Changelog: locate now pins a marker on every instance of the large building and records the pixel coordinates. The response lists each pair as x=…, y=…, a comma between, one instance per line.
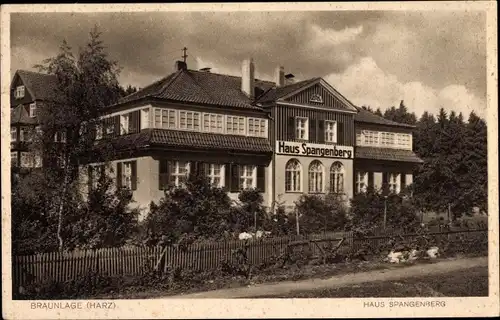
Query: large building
x=281, y=137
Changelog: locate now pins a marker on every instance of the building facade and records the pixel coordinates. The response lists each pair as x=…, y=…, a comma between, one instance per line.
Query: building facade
x=384, y=157
x=280, y=137
x=30, y=91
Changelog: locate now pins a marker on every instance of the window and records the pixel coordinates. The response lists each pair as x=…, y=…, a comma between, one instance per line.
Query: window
x=189, y=120
x=394, y=183
x=124, y=123
x=98, y=134
x=110, y=128
x=127, y=175
x=371, y=138
x=215, y=173
x=23, y=134
x=13, y=134
x=330, y=131
x=235, y=125
x=361, y=181
x=359, y=139
x=337, y=178
x=19, y=93
x=179, y=171
x=387, y=139
x=60, y=136
x=97, y=175
x=301, y=131
x=32, y=110
x=144, y=119
x=247, y=176
x=256, y=127
x=165, y=118
x=213, y=123
x=13, y=159
x=404, y=141
x=316, y=173
x=293, y=176
x=30, y=160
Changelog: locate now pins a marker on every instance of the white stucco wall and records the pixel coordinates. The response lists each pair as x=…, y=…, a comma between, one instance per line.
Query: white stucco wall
x=290, y=197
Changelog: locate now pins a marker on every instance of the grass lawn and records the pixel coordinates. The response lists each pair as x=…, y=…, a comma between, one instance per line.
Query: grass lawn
x=467, y=283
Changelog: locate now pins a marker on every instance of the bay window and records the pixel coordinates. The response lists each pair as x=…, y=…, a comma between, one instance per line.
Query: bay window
x=235, y=125
x=213, y=123
x=164, y=118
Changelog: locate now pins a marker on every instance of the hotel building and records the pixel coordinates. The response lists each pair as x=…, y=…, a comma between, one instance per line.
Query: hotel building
x=281, y=137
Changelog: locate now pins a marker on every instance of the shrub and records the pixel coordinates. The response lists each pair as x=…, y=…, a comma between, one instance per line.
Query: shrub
x=320, y=213
x=199, y=209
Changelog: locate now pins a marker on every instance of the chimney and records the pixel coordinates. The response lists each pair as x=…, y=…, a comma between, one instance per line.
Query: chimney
x=248, y=77
x=180, y=65
x=279, y=76
x=289, y=79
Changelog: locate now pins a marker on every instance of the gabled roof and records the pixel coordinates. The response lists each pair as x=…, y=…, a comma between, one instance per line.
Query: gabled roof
x=279, y=92
x=200, y=87
x=366, y=116
x=386, y=154
x=19, y=115
x=288, y=91
x=41, y=86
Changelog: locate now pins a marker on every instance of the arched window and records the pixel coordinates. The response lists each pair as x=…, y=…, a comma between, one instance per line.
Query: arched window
x=337, y=178
x=316, y=173
x=293, y=176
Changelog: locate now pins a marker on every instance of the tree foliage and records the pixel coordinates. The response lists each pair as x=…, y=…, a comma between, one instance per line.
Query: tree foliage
x=84, y=85
x=454, y=173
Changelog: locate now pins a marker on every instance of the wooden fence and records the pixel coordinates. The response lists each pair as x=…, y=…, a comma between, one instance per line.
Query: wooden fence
x=134, y=261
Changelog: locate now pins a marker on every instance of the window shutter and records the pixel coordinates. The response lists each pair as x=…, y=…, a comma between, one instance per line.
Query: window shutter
x=119, y=175
x=90, y=178
x=385, y=183
x=321, y=131
x=163, y=174
x=403, y=180
x=134, y=121
x=291, y=128
x=116, y=124
x=340, y=133
x=202, y=169
x=133, y=167
x=370, y=180
x=261, y=178
x=235, y=178
x=312, y=130
x=227, y=176
x=131, y=122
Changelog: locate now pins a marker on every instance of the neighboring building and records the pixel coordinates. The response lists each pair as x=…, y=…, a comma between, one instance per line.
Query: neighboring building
x=29, y=92
x=384, y=157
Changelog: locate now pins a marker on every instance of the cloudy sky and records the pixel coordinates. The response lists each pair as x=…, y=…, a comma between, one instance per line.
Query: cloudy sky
x=428, y=59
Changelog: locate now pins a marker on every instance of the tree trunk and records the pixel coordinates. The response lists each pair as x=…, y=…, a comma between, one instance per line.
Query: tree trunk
x=60, y=210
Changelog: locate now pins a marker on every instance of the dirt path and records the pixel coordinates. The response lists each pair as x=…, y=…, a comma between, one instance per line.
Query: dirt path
x=340, y=281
